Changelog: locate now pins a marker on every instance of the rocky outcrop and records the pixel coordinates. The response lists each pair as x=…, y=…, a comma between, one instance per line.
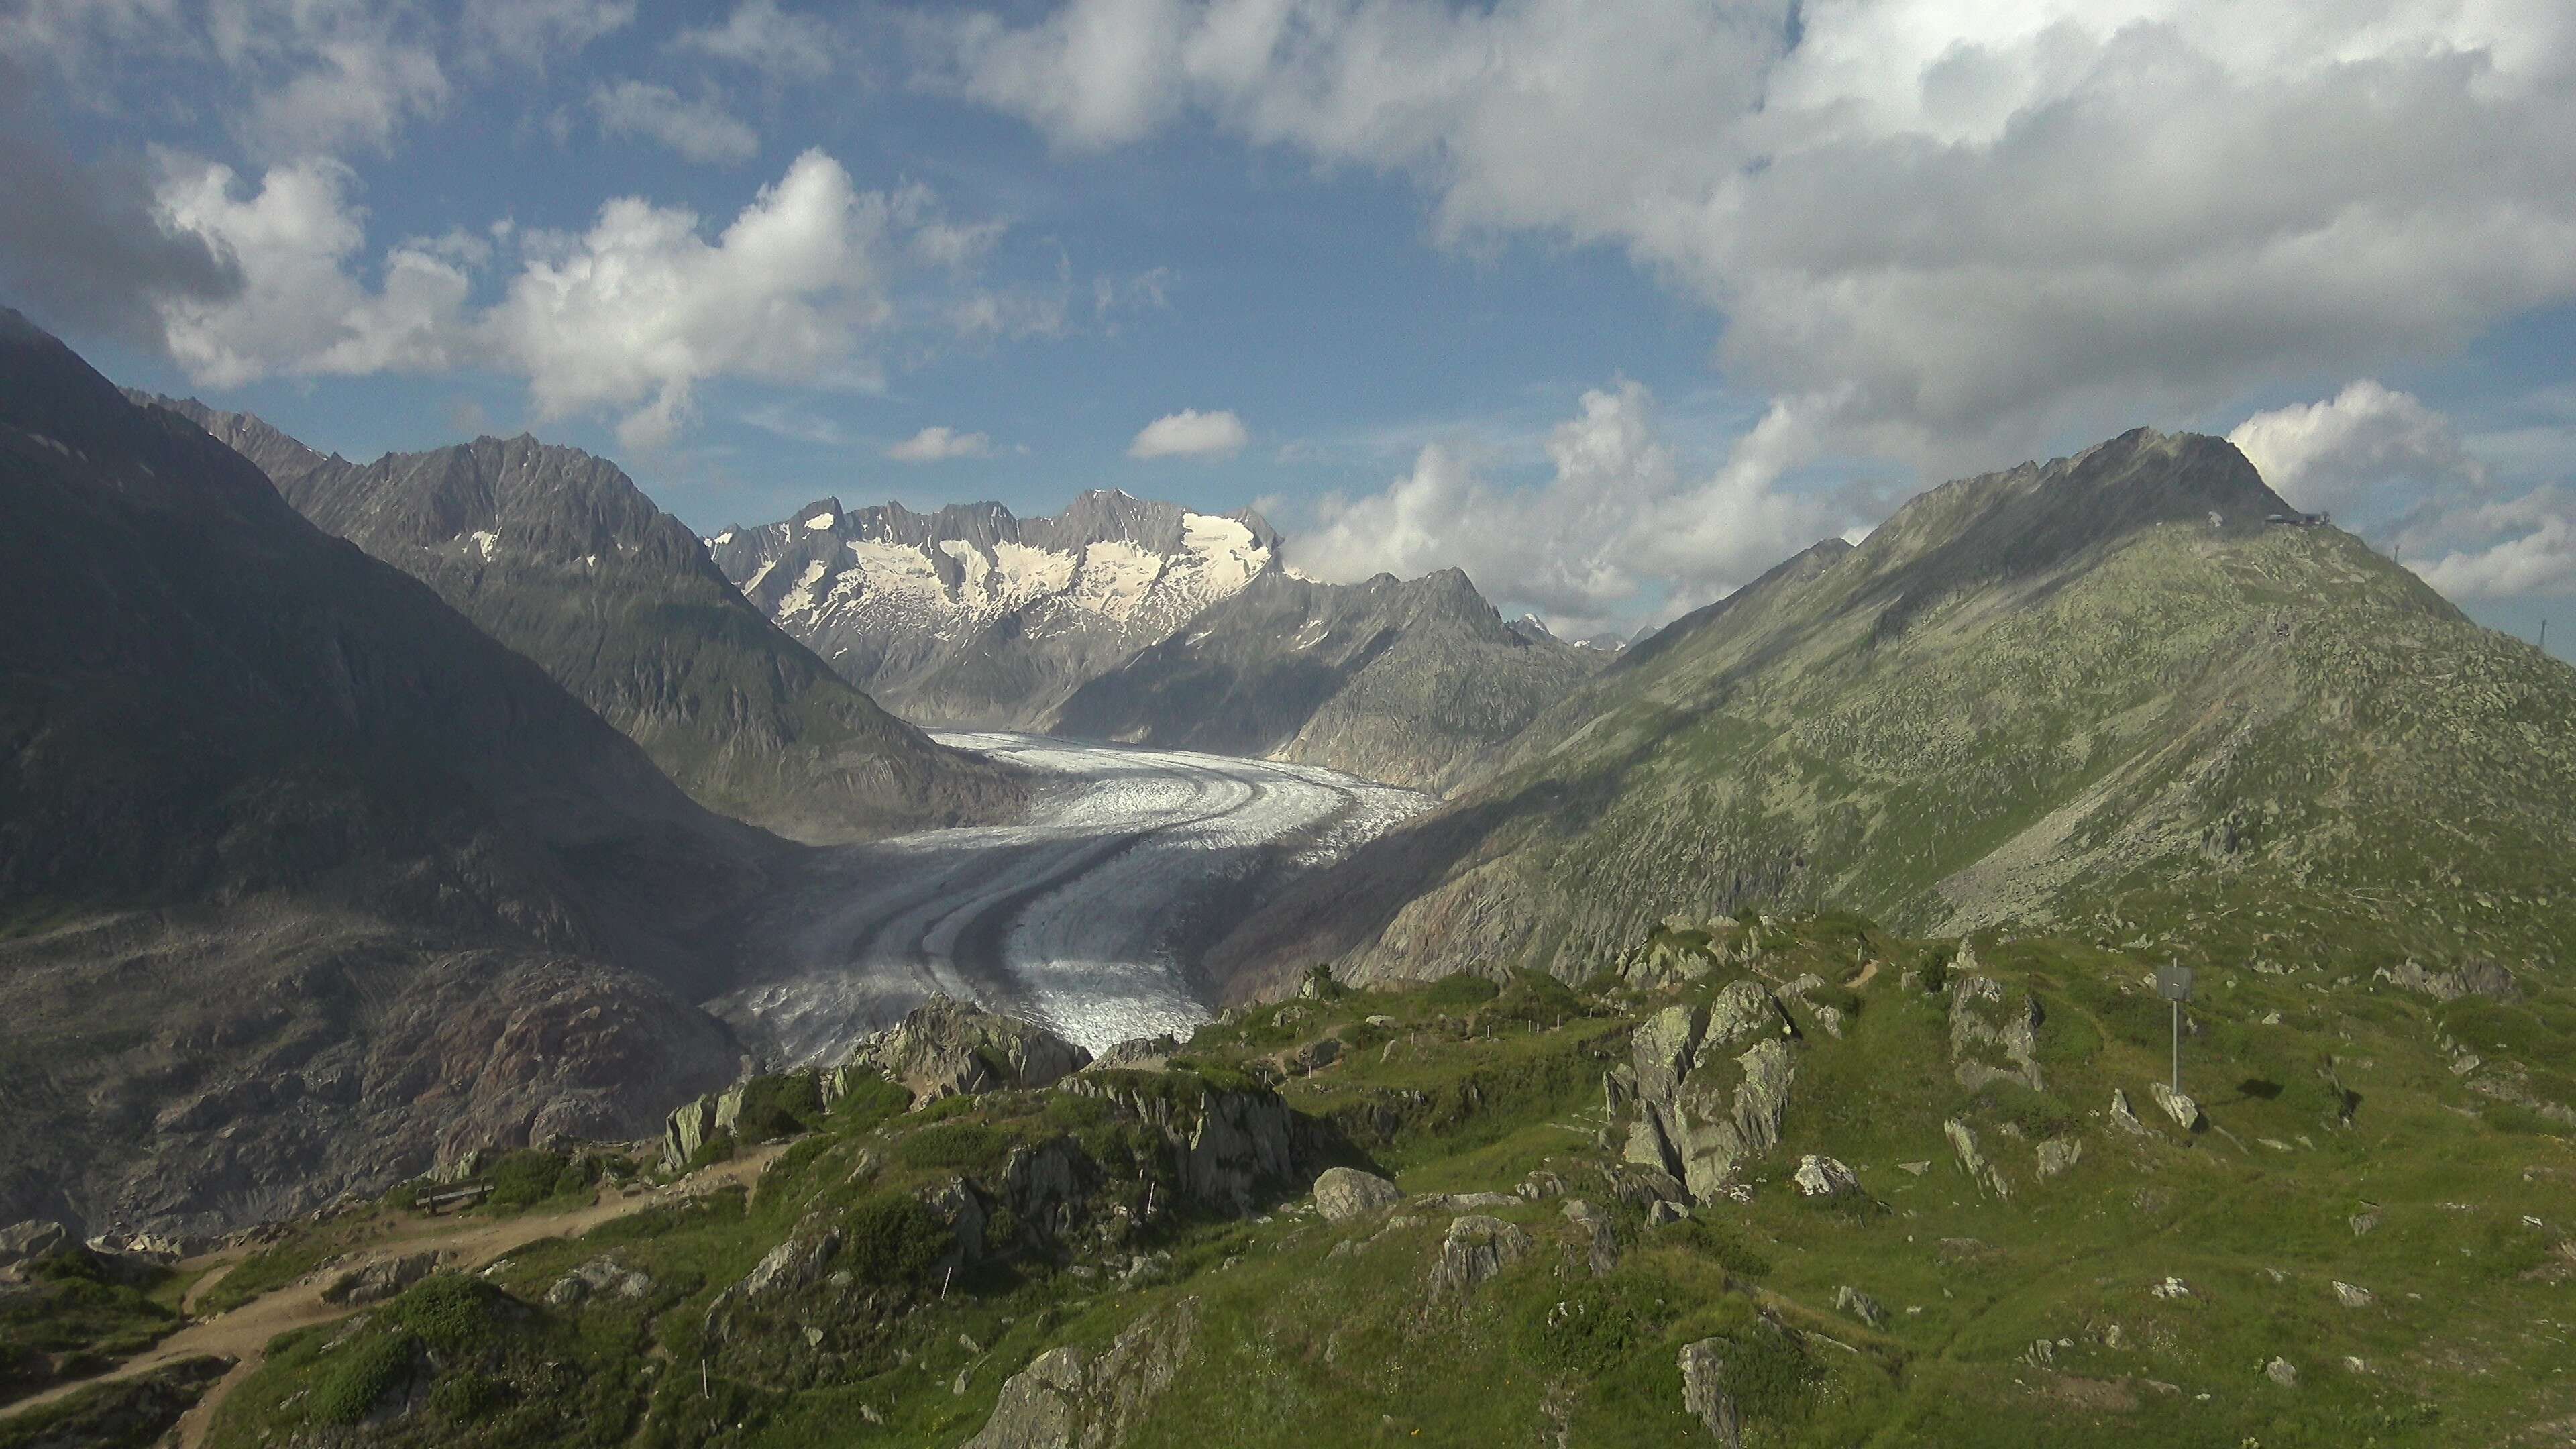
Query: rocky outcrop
x=2480, y=977
x=1230, y=1147
x=2058, y=1154
x=1992, y=1040
x=949, y=1048
x=376, y=1282
x=34, y=1238
x=1071, y=1398
x=1862, y=1306
x=1477, y=1247
x=1595, y=1247
x=2123, y=1116
x=1705, y=1396
x=1701, y=1107
x=1343, y=1193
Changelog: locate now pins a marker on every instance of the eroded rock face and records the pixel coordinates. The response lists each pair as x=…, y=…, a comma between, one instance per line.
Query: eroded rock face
x=31, y=1239
x=1068, y=1398
x=1343, y=1193
x=599, y=1278
x=2058, y=1154
x=949, y=1048
x=1704, y=1392
x=2480, y=977
x=1230, y=1149
x=1992, y=1040
x=1972, y=1159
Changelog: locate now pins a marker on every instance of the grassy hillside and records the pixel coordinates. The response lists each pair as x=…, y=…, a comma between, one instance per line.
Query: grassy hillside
x=2060, y=695
x=2143, y=1294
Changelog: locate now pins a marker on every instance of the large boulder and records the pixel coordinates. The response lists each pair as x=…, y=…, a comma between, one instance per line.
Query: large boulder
x=1068, y=1398
x=950, y=1048
x=1343, y=1193
x=378, y=1281
x=31, y=1239
x=1232, y=1148
x=1703, y=1107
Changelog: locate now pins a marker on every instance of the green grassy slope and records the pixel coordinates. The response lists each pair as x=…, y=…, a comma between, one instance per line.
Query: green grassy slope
x=2021, y=1319
x=2055, y=695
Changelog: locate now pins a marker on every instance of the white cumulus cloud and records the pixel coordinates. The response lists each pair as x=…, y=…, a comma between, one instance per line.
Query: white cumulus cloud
x=1190, y=433
x=1936, y=230
x=632, y=314
x=937, y=444
x=1619, y=528
x=2367, y=445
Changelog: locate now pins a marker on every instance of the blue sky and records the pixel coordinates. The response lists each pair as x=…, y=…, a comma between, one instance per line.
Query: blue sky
x=1612, y=305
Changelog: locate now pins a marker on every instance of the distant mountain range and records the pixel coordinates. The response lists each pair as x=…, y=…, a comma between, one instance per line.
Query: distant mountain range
x=559, y=555
x=973, y=617
x=1407, y=681
x=1143, y=622
x=304, y=879
x=2101, y=694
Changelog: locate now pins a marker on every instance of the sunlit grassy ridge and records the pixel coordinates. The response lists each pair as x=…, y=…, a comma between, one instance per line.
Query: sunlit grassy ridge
x=2028, y=1319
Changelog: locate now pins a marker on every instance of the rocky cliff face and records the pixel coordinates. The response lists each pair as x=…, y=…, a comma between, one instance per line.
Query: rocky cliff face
x=559, y=555
x=302, y=876
x=2099, y=692
x=1402, y=681
x=971, y=616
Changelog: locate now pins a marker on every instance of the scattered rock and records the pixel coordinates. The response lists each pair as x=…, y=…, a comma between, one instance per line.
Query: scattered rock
x=1541, y=1185
x=1963, y=1141
x=598, y=1278
x=1383, y=1023
x=1343, y=1193
x=1070, y=1399
x=1704, y=1392
x=2354, y=1364
x=31, y=1239
x=1598, y=1246
x=1661, y=1213
x=2122, y=1116
x=2171, y=1287
x=2183, y=1110
x=1477, y=1248
x=376, y=1282
x=2281, y=1371
x=1819, y=1176
x=1916, y=1169
x=1848, y=1299
x=2475, y=978
x=1316, y=1055
x=2352, y=1295
x=2058, y=1154
x=2364, y=1221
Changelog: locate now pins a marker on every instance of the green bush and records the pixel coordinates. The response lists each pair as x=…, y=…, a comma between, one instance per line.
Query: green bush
x=467, y=1397
x=954, y=1147
x=870, y=1100
x=1725, y=1247
x=1600, y=1324
x=527, y=1177
x=1463, y=991
x=366, y=1371
x=717, y=1147
x=779, y=1106
x=451, y=1312
x=892, y=1238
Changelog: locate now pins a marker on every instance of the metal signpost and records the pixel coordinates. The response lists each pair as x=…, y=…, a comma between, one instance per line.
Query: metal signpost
x=2173, y=983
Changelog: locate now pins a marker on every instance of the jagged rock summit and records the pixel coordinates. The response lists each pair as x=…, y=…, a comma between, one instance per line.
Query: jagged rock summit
x=974, y=616
x=556, y=553
x=950, y=1048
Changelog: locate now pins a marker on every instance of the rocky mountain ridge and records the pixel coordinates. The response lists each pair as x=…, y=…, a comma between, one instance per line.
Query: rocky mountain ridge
x=303, y=877
x=559, y=555
x=1405, y=681
x=2101, y=692
x=976, y=618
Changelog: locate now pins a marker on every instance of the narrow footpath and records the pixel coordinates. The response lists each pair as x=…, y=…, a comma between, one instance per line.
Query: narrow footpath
x=244, y=1334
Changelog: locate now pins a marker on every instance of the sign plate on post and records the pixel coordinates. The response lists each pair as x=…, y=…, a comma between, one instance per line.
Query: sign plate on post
x=2173, y=983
